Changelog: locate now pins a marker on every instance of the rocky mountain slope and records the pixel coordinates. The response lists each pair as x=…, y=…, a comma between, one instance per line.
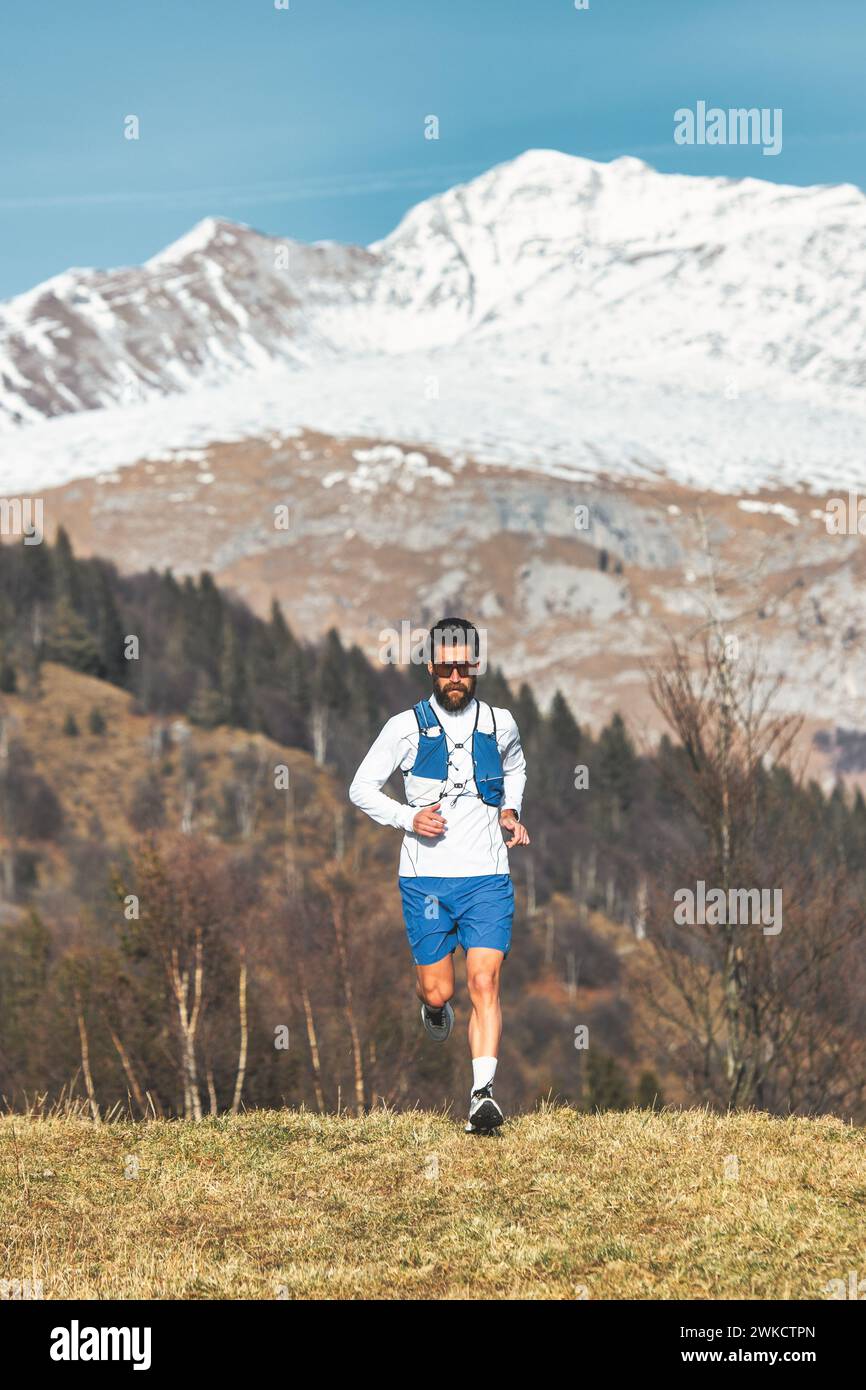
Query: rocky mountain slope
x=368, y=536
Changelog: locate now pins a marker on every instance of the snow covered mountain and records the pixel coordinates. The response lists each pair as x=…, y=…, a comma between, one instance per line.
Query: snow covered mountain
x=557, y=333
x=601, y=317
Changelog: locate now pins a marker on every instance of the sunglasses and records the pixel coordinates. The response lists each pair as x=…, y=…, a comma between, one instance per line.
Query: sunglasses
x=443, y=669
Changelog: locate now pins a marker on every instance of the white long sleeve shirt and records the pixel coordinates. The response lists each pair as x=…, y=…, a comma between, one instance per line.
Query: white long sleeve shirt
x=472, y=842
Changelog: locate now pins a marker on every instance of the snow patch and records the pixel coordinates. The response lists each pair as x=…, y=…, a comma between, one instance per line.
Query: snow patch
x=770, y=509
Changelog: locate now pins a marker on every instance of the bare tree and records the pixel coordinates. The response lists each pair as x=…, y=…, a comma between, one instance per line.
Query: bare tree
x=85, y=1057
x=293, y=878
x=337, y=898
x=740, y=1004
x=187, y=896
x=128, y=1070
x=244, y=1028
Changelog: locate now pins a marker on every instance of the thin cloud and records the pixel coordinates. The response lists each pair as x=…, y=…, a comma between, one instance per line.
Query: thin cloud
x=340, y=185
x=298, y=190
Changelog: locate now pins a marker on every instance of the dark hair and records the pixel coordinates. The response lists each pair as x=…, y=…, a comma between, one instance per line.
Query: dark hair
x=460, y=630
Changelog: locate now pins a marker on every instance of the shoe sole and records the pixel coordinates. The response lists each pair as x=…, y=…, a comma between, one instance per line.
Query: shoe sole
x=444, y=1031
x=486, y=1118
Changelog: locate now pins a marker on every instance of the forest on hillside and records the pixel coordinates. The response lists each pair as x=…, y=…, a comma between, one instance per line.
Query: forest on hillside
x=230, y=938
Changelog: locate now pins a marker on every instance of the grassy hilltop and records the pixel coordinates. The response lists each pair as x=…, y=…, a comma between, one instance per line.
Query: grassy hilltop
x=564, y=1205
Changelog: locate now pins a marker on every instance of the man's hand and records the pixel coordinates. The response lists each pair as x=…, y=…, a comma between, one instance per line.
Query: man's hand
x=428, y=822
x=519, y=835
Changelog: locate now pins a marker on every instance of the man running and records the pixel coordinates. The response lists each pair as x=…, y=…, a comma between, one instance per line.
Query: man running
x=464, y=775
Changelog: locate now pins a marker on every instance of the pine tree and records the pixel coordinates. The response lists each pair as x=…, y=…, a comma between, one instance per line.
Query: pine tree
x=331, y=689
x=96, y=721
x=109, y=629
x=617, y=765
x=365, y=696
x=564, y=728
x=553, y=755
x=207, y=708
x=202, y=625
x=67, y=579
x=280, y=630
x=32, y=574
x=233, y=677
x=291, y=664
x=330, y=694
x=527, y=714
x=69, y=642
x=259, y=675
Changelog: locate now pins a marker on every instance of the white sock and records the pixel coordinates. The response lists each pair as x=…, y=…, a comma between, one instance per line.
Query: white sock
x=483, y=1072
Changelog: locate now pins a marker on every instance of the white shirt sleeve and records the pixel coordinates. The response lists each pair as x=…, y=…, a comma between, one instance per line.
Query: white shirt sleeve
x=513, y=762
x=383, y=759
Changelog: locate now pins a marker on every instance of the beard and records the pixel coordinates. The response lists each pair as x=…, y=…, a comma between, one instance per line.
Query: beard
x=454, y=698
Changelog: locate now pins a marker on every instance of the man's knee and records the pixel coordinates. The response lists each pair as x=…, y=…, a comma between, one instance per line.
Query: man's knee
x=435, y=993
x=483, y=985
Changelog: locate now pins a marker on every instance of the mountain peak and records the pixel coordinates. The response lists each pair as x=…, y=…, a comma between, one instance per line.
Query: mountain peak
x=555, y=166
x=208, y=234
x=549, y=263
x=540, y=159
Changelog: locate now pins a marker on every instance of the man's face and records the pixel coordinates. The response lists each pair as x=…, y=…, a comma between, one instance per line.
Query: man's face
x=454, y=675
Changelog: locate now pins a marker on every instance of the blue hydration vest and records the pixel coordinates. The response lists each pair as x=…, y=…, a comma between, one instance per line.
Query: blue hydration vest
x=427, y=781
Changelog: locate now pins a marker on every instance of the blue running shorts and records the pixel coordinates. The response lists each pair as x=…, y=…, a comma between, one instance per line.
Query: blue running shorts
x=442, y=913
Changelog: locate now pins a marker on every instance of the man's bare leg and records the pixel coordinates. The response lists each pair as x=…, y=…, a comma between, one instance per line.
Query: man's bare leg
x=435, y=983
x=483, y=968
x=435, y=986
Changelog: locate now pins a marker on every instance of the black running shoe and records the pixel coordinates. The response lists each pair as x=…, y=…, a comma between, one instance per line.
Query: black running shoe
x=438, y=1022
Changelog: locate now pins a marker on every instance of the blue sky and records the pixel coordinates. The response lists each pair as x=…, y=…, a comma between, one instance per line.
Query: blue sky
x=309, y=123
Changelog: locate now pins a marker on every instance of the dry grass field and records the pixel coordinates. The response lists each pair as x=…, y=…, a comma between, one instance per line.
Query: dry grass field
x=563, y=1205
